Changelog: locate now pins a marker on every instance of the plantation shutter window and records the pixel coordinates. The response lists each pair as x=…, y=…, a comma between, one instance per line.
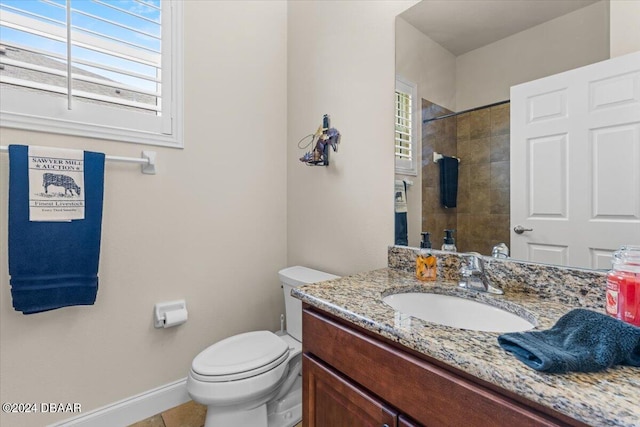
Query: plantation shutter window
x=97, y=68
x=403, y=125
x=406, y=127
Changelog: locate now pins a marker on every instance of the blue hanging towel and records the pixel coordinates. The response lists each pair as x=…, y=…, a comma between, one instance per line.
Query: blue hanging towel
x=53, y=264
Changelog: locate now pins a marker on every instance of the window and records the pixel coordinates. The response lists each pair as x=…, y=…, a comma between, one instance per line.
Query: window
x=98, y=68
x=406, y=127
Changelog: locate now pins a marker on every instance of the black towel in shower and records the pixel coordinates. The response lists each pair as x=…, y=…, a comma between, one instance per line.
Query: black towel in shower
x=401, y=213
x=448, y=181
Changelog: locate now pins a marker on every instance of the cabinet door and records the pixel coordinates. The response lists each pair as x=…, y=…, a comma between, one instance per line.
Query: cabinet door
x=330, y=400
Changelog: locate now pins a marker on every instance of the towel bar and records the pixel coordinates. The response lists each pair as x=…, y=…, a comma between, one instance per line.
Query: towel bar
x=147, y=160
x=437, y=156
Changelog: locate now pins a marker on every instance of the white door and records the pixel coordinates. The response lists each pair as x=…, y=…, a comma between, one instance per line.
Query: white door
x=575, y=164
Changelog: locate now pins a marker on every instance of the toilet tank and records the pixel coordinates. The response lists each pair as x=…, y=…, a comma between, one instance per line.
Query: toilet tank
x=290, y=278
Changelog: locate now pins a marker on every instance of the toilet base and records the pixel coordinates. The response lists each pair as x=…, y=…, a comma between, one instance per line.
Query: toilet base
x=256, y=417
x=284, y=412
x=287, y=411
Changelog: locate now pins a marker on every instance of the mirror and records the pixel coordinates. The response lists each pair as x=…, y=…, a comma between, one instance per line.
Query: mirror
x=464, y=56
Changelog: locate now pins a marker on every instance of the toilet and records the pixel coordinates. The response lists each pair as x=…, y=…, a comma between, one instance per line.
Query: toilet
x=253, y=379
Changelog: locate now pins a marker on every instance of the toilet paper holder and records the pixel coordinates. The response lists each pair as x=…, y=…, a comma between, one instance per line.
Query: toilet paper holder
x=168, y=314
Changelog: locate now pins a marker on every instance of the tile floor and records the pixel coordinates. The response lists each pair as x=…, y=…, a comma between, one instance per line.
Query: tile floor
x=190, y=414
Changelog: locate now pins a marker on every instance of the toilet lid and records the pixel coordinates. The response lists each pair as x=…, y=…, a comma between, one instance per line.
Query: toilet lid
x=241, y=356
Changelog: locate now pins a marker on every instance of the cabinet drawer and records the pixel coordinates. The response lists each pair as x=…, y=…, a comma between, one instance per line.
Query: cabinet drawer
x=425, y=392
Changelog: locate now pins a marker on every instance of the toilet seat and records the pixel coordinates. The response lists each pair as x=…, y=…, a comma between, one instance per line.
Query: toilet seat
x=239, y=357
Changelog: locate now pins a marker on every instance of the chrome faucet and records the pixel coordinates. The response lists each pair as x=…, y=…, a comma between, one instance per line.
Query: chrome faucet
x=473, y=275
x=501, y=250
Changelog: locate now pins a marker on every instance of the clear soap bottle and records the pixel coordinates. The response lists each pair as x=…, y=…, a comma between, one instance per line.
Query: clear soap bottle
x=449, y=242
x=426, y=266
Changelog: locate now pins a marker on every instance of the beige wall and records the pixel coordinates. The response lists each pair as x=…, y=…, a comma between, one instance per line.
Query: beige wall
x=423, y=61
x=625, y=27
x=340, y=62
x=433, y=68
x=485, y=75
x=210, y=227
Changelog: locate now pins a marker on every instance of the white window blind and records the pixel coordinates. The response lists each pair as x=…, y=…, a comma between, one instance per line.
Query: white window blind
x=100, y=68
x=403, y=125
x=406, y=135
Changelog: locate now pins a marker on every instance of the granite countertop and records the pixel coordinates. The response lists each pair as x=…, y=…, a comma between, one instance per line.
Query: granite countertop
x=608, y=398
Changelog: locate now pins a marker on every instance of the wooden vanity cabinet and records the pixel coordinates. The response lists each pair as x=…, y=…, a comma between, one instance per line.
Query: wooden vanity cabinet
x=352, y=379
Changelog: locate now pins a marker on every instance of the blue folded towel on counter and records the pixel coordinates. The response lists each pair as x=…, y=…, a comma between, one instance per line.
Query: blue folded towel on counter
x=581, y=341
x=53, y=264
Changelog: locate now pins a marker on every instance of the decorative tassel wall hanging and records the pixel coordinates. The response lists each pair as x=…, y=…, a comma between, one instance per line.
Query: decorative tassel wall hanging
x=324, y=138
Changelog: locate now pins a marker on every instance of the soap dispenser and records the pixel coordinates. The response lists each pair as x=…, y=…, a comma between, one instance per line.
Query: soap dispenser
x=426, y=261
x=449, y=243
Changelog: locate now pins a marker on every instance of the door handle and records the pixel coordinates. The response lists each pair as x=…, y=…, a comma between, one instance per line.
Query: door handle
x=520, y=229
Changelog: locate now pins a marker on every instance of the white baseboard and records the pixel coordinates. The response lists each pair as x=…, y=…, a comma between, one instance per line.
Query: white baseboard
x=132, y=409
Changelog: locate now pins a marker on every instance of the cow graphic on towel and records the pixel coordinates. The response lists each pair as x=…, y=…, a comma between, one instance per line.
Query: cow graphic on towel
x=60, y=181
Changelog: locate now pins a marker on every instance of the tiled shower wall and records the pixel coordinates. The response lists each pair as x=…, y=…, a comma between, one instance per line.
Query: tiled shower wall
x=437, y=136
x=481, y=140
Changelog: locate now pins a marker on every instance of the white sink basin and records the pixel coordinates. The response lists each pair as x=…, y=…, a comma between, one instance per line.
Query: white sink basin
x=457, y=312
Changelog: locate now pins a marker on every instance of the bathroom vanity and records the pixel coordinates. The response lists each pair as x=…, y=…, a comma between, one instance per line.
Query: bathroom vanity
x=346, y=369
x=367, y=364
